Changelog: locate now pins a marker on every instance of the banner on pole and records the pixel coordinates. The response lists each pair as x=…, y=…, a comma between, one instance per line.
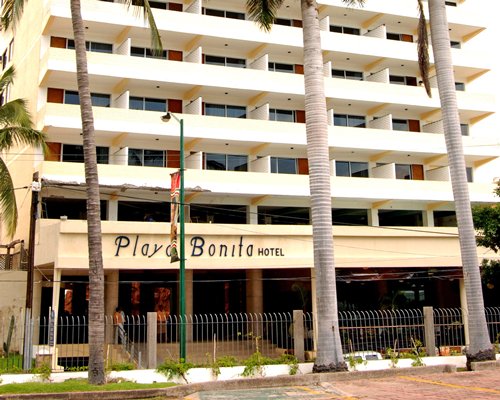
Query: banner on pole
x=174, y=214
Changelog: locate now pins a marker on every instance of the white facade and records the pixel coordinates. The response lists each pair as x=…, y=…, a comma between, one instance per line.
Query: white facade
x=369, y=80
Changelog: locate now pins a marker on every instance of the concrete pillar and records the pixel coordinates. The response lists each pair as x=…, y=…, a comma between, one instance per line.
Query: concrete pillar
x=465, y=311
x=254, y=291
x=298, y=335
x=112, y=210
x=151, y=340
x=252, y=216
x=56, y=288
x=428, y=217
x=110, y=301
x=429, y=333
x=314, y=307
x=373, y=217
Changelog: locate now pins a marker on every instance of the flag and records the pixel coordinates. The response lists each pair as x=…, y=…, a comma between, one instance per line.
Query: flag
x=174, y=214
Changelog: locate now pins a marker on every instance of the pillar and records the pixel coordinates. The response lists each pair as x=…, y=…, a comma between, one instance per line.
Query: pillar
x=252, y=215
x=254, y=291
x=56, y=288
x=465, y=311
x=373, y=217
x=428, y=216
x=110, y=301
x=112, y=211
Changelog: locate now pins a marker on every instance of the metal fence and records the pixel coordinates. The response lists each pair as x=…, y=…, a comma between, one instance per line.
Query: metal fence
x=147, y=340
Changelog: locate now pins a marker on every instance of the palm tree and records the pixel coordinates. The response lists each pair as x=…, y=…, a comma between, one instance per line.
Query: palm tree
x=480, y=346
x=15, y=129
x=11, y=13
x=329, y=347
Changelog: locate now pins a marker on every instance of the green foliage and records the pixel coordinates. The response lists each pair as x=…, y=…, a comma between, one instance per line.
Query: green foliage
x=124, y=366
x=172, y=368
x=254, y=363
x=6, y=345
x=77, y=369
x=393, y=356
x=75, y=385
x=11, y=364
x=226, y=361
x=417, y=353
x=43, y=372
x=487, y=223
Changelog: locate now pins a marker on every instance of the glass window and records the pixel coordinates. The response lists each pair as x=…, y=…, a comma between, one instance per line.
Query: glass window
x=214, y=13
x=343, y=74
x=155, y=104
x=400, y=125
x=215, y=110
x=235, y=15
x=280, y=67
x=356, y=121
x=281, y=115
x=345, y=29
x=403, y=171
x=455, y=45
x=74, y=153
x=460, y=86
x=397, y=80
x=100, y=100
x=281, y=165
x=134, y=156
x=147, y=158
x=236, y=62
x=223, y=13
x=136, y=103
x=465, y=129
x=71, y=97
x=237, y=163
x=216, y=161
x=283, y=21
x=215, y=60
x=353, y=169
x=236, y=112
x=342, y=168
x=92, y=46
x=469, y=172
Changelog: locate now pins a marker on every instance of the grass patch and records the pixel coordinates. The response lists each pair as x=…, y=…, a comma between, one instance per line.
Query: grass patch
x=76, y=385
x=12, y=363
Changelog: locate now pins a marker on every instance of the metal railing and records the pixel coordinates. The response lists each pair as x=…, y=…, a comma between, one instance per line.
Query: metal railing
x=212, y=336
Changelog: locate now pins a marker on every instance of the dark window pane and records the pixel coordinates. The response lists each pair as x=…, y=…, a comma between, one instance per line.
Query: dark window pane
x=335, y=28
x=356, y=121
x=155, y=105
x=236, y=112
x=283, y=21
x=359, y=169
x=158, y=4
x=235, y=62
x=216, y=161
x=403, y=171
x=340, y=120
x=214, y=13
x=154, y=158
x=400, y=124
x=215, y=60
x=279, y=67
x=455, y=45
x=102, y=155
x=468, y=171
x=137, y=51
x=398, y=80
x=134, y=156
x=235, y=15
x=100, y=100
x=136, y=103
x=354, y=75
x=338, y=73
x=287, y=166
x=351, y=31
x=342, y=168
x=215, y=110
x=71, y=97
x=460, y=86
x=153, y=54
x=237, y=163
x=281, y=115
x=101, y=47
x=393, y=36
x=465, y=129
x=72, y=153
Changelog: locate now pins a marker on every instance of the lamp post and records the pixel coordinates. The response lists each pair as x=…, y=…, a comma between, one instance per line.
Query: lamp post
x=182, y=261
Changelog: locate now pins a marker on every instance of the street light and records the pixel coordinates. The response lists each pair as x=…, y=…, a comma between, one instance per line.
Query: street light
x=182, y=261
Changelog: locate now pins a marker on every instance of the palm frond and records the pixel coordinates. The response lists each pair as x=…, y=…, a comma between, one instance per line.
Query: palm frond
x=143, y=9
x=16, y=135
x=8, y=207
x=263, y=12
x=11, y=13
x=7, y=78
x=423, y=49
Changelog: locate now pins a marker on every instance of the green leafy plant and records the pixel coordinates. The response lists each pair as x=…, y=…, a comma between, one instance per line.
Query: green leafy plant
x=393, y=356
x=171, y=368
x=43, y=372
x=77, y=369
x=225, y=361
x=124, y=366
x=417, y=353
x=291, y=361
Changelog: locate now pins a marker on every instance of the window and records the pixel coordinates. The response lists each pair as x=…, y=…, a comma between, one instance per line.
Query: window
x=281, y=165
x=281, y=115
x=400, y=124
x=225, y=61
x=469, y=172
x=357, y=121
x=147, y=53
x=226, y=162
x=146, y=158
x=399, y=36
x=93, y=46
x=280, y=67
x=344, y=74
x=403, y=80
x=345, y=30
x=283, y=21
x=147, y=104
x=351, y=169
x=349, y=216
x=403, y=171
x=222, y=110
x=465, y=129
x=223, y=13
x=98, y=99
x=460, y=86
x=450, y=3
x=158, y=4
x=74, y=153
x=8, y=54
x=455, y=45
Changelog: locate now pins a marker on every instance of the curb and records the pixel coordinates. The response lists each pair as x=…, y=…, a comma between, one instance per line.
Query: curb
x=181, y=391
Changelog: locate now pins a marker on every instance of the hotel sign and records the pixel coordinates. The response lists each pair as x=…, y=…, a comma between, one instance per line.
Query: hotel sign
x=196, y=246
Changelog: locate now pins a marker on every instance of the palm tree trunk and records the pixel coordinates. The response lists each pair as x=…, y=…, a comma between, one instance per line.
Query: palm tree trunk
x=96, y=373
x=480, y=347
x=329, y=356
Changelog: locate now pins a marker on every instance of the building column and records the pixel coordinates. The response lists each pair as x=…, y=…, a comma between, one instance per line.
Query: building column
x=373, y=217
x=252, y=216
x=111, y=290
x=112, y=211
x=56, y=289
x=254, y=291
x=428, y=216
x=465, y=312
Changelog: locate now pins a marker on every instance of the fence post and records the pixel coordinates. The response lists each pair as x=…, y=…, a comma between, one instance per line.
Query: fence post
x=429, y=333
x=151, y=339
x=298, y=334
x=28, y=340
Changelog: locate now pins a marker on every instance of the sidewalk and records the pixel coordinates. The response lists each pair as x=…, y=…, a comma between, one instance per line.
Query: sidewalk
x=436, y=382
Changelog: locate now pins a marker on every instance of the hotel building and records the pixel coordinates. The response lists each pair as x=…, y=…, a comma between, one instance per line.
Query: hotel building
x=240, y=93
